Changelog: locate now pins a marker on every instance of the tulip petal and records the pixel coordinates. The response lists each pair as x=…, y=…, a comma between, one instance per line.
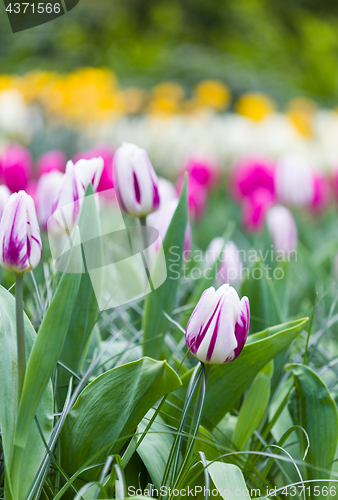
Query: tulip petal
x=242, y=326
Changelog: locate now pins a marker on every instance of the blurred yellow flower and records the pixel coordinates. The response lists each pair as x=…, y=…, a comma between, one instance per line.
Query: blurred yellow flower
x=134, y=100
x=213, y=94
x=301, y=112
x=255, y=105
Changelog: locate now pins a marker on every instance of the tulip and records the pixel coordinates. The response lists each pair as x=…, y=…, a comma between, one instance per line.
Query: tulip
x=4, y=197
x=294, y=184
x=282, y=228
x=321, y=192
x=230, y=267
x=20, y=239
x=17, y=165
x=218, y=327
x=254, y=209
x=135, y=181
x=47, y=188
x=52, y=160
x=107, y=154
x=197, y=197
x=251, y=174
x=204, y=172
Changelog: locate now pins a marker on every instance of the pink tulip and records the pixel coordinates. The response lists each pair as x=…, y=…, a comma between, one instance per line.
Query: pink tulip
x=52, y=160
x=251, y=174
x=321, y=192
x=17, y=166
x=254, y=209
x=202, y=171
x=197, y=197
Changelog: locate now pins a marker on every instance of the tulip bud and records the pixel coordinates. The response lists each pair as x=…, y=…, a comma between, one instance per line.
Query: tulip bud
x=230, y=267
x=107, y=154
x=46, y=190
x=20, y=240
x=282, y=228
x=4, y=197
x=52, y=160
x=135, y=181
x=17, y=164
x=218, y=327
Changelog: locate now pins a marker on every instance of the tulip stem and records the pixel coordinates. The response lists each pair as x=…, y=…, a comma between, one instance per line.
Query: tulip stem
x=144, y=254
x=20, y=333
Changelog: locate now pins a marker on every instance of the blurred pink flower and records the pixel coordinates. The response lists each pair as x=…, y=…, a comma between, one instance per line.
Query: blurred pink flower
x=107, y=154
x=54, y=159
x=46, y=191
x=254, y=209
x=197, y=197
x=17, y=166
x=204, y=172
x=251, y=174
x=321, y=192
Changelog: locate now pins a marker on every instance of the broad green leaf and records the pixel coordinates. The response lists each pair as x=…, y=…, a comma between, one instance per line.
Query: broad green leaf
x=258, y=287
x=228, y=480
x=47, y=348
x=31, y=456
x=109, y=409
x=163, y=298
x=229, y=381
x=85, y=310
x=155, y=448
x=316, y=411
x=254, y=407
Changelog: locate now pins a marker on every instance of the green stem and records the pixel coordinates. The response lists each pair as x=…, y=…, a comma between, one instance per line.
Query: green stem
x=20, y=333
x=146, y=244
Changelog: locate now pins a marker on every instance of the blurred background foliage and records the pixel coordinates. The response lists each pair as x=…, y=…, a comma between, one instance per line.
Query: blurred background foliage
x=282, y=48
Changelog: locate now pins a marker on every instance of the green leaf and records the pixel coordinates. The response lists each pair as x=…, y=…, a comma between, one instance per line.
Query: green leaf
x=316, y=412
x=254, y=407
x=85, y=310
x=229, y=381
x=229, y=480
x=109, y=409
x=31, y=455
x=258, y=287
x=47, y=347
x=163, y=298
x=155, y=447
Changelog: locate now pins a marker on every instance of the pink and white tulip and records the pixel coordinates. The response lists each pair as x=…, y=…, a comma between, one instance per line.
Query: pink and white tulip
x=47, y=188
x=135, y=181
x=282, y=228
x=17, y=166
x=20, y=240
x=107, y=154
x=219, y=325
